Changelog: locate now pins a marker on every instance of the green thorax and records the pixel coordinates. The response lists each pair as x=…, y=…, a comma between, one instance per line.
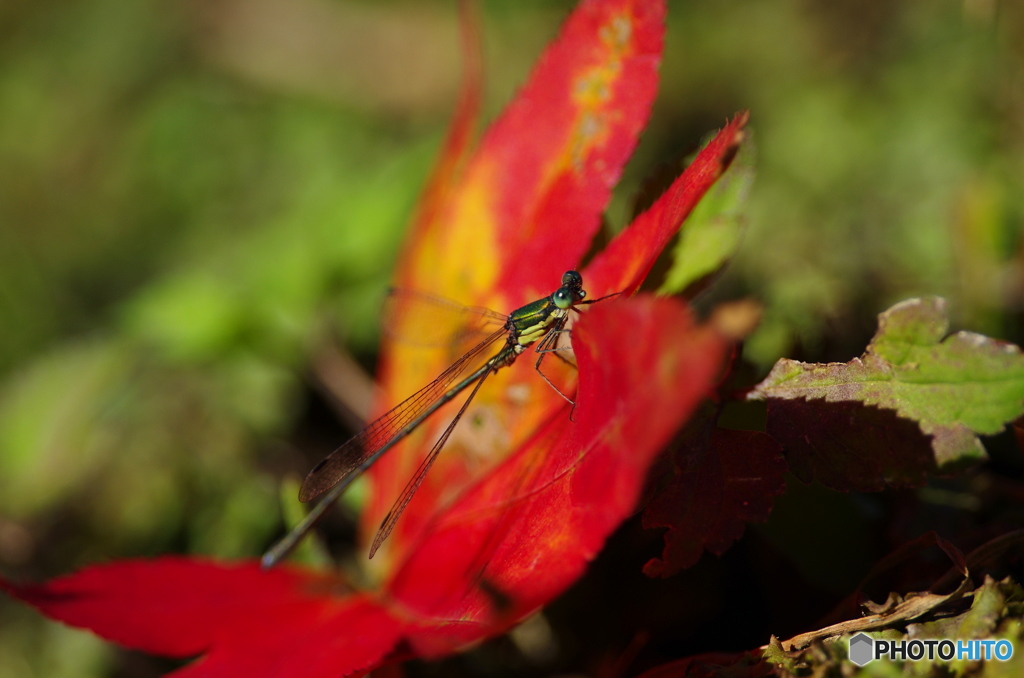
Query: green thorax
x=531, y=322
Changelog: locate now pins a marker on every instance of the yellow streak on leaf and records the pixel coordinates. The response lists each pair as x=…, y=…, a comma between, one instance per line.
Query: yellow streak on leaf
x=467, y=243
x=593, y=89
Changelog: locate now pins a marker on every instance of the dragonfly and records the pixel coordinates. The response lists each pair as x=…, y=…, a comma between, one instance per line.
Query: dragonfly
x=539, y=324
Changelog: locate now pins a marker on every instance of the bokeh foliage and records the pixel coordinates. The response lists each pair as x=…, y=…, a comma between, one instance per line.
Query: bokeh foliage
x=196, y=199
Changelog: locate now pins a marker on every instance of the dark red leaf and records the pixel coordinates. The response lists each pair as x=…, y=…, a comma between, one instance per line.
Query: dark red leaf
x=719, y=487
x=847, y=445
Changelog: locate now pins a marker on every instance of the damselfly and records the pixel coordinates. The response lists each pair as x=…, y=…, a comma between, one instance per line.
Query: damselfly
x=538, y=324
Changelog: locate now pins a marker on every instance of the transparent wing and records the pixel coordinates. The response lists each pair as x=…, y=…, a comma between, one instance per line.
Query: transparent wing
x=362, y=449
x=391, y=519
x=427, y=320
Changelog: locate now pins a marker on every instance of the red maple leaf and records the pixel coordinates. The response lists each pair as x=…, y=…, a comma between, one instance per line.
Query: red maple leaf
x=500, y=527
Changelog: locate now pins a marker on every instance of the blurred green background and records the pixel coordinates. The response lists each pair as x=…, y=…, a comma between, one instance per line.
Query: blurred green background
x=201, y=202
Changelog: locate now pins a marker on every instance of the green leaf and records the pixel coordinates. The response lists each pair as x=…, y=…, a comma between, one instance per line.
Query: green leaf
x=953, y=387
x=49, y=439
x=712, y=232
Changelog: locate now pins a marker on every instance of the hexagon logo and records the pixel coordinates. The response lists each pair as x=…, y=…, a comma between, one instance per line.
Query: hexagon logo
x=862, y=649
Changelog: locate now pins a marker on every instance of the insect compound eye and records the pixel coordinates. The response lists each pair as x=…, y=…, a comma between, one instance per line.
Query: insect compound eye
x=563, y=298
x=572, y=279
